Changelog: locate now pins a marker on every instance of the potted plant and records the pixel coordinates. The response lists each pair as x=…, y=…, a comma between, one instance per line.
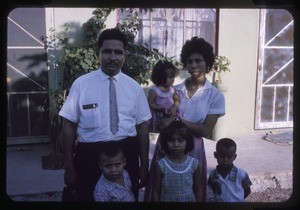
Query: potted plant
x=221, y=65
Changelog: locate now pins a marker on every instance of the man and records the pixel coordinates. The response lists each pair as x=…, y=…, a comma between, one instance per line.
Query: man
x=87, y=118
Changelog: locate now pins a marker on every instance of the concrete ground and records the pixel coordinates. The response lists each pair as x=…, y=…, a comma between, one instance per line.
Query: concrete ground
x=268, y=164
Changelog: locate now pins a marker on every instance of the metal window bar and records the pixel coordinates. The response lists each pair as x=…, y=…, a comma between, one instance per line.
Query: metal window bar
x=192, y=24
x=267, y=45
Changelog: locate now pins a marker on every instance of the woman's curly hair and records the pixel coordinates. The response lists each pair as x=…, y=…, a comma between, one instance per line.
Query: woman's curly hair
x=198, y=45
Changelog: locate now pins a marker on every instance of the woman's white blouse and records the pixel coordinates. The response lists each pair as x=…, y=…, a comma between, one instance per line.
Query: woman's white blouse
x=206, y=100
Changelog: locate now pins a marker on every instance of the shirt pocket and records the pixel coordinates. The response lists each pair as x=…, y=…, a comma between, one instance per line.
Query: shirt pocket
x=90, y=118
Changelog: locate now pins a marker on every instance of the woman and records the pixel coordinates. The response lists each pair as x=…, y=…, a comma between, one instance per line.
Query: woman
x=201, y=104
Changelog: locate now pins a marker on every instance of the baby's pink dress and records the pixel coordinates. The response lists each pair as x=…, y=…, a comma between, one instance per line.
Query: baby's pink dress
x=163, y=99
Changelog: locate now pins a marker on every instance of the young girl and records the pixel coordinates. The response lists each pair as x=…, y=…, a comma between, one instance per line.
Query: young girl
x=177, y=175
x=162, y=97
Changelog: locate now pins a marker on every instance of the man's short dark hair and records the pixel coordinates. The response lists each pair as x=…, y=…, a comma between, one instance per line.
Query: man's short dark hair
x=112, y=33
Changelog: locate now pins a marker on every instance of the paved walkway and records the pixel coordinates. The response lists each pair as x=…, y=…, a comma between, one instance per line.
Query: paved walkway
x=267, y=163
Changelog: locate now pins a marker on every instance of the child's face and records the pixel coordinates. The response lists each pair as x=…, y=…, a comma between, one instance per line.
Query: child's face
x=170, y=79
x=177, y=144
x=112, y=167
x=225, y=157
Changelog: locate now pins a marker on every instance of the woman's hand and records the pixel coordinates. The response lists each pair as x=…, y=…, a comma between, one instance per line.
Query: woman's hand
x=172, y=112
x=142, y=178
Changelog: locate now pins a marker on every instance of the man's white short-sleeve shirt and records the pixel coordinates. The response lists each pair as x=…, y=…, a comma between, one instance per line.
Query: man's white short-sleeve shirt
x=87, y=104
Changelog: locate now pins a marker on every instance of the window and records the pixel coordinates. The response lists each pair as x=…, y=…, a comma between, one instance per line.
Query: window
x=27, y=76
x=275, y=76
x=167, y=29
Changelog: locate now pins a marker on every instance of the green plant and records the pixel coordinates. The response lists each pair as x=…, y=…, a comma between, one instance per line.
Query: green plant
x=80, y=59
x=221, y=64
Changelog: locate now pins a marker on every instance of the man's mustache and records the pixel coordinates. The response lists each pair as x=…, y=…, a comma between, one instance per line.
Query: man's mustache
x=112, y=63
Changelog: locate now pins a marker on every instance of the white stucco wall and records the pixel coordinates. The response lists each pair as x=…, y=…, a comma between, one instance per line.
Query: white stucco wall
x=57, y=17
x=238, y=41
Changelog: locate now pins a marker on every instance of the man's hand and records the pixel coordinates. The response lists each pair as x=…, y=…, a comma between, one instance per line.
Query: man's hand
x=70, y=179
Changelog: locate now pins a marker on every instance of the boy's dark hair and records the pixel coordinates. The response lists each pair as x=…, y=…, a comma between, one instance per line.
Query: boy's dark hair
x=110, y=149
x=179, y=127
x=198, y=45
x=159, y=74
x=112, y=33
x=227, y=143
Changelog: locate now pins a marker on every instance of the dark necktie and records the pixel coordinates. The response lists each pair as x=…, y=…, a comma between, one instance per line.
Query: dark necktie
x=114, y=119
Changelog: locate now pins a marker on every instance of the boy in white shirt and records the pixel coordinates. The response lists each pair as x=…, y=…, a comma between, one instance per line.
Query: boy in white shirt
x=227, y=182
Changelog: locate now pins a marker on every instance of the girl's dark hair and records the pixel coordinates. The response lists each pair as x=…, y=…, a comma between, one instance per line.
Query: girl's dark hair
x=225, y=142
x=159, y=74
x=198, y=45
x=112, y=33
x=177, y=126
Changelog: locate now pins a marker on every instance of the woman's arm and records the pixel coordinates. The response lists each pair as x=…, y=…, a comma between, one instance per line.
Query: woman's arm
x=157, y=183
x=174, y=108
x=202, y=129
x=196, y=184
